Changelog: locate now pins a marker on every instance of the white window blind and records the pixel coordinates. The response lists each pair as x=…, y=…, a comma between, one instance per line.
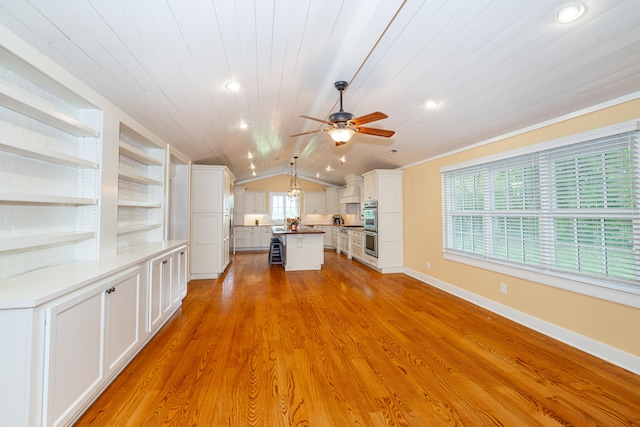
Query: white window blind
x=571, y=210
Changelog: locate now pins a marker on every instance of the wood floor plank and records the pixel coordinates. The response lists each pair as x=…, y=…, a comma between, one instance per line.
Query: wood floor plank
x=346, y=346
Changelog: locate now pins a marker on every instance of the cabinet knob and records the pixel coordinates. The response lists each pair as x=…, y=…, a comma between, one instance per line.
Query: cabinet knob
x=111, y=289
x=182, y=253
x=164, y=262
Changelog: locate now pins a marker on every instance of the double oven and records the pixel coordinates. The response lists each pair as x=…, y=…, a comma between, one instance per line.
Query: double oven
x=370, y=214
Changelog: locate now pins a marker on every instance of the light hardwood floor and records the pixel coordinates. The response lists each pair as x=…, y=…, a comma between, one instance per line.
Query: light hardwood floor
x=347, y=346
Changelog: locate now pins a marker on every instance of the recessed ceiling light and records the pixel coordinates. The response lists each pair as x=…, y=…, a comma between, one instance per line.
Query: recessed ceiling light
x=432, y=104
x=250, y=156
x=243, y=125
x=569, y=13
x=254, y=173
x=328, y=168
x=253, y=166
x=233, y=86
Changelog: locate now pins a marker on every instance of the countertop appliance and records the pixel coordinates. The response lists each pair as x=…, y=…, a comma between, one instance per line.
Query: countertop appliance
x=338, y=220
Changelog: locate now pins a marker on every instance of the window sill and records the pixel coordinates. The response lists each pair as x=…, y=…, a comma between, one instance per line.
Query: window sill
x=609, y=291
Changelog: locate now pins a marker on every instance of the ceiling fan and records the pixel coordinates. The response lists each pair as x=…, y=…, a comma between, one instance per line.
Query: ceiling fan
x=344, y=125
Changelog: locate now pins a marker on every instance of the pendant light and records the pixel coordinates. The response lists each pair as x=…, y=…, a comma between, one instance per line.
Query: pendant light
x=295, y=189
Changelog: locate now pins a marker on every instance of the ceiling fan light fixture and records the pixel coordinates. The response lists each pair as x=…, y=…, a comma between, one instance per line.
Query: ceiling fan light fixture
x=569, y=13
x=341, y=134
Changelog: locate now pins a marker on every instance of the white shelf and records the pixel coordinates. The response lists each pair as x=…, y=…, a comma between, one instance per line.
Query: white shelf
x=23, y=103
x=137, y=228
x=34, y=151
x=138, y=155
x=44, y=240
x=44, y=199
x=140, y=179
x=133, y=204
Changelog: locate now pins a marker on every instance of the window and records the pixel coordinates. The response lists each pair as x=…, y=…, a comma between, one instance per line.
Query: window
x=282, y=207
x=567, y=209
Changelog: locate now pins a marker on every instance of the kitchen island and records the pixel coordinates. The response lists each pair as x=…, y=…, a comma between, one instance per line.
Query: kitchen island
x=303, y=248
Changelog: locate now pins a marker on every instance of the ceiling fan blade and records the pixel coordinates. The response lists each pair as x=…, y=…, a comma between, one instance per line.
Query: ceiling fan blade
x=369, y=118
x=306, y=133
x=376, y=132
x=317, y=120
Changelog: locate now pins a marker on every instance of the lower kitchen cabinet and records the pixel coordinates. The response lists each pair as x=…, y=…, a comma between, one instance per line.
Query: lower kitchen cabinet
x=357, y=244
x=88, y=338
x=68, y=331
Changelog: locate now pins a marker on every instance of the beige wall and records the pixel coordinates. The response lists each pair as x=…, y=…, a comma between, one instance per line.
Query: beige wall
x=280, y=183
x=607, y=322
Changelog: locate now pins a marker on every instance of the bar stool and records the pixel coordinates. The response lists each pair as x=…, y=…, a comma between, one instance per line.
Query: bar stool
x=275, y=252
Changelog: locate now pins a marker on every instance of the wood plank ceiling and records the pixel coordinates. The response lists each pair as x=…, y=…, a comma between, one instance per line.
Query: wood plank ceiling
x=495, y=66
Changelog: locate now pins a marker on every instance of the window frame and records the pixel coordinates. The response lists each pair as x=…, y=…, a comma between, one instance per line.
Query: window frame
x=620, y=291
x=273, y=205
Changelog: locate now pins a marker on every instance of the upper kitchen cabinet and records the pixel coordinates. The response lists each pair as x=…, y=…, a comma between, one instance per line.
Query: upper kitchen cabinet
x=315, y=202
x=255, y=202
x=50, y=154
x=385, y=186
x=140, y=189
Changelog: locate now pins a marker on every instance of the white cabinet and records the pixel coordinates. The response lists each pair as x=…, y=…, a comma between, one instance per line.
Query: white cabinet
x=357, y=244
x=315, y=202
x=238, y=199
x=267, y=234
x=332, y=200
x=255, y=202
x=211, y=190
x=160, y=300
x=370, y=187
x=50, y=168
x=140, y=190
x=335, y=238
x=89, y=336
x=327, y=233
x=241, y=237
x=385, y=186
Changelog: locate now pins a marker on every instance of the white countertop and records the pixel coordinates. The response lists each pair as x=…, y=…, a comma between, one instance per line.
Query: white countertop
x=41, y=286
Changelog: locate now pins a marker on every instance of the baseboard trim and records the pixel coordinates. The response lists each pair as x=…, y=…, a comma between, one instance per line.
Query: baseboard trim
x=595, y=348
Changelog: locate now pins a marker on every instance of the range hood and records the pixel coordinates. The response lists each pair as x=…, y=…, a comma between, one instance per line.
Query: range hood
x=351, y=193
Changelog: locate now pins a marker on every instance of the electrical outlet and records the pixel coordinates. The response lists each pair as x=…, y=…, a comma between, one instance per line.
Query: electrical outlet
x=429, y=264
x=503, y=288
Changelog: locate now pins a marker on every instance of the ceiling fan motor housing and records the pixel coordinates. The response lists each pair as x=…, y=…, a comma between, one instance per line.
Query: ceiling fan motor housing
x=341, y=117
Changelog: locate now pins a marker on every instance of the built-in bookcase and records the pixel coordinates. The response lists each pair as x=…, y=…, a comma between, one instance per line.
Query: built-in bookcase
x=49, y=171
x=140, y=190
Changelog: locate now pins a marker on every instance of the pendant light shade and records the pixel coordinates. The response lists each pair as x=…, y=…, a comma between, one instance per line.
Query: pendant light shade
x=341, y=134
x=295, y=189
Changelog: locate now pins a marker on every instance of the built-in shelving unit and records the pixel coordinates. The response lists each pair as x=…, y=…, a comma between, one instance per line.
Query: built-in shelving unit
x=49, y=171
x=140, y=189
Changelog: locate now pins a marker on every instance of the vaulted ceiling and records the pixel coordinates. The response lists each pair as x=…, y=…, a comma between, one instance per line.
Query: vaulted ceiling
x=495, y=66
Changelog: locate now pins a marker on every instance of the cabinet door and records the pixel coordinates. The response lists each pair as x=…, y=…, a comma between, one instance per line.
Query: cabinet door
x=371, y=187
x=166, y=267
x=74, y=368
x=182, y=273
x=206, y=243
x=155, y=295
x=238, y=201
x=207, y=189
x=266, y=237
x=255, y=202
x=123, y=317
x=176, y=291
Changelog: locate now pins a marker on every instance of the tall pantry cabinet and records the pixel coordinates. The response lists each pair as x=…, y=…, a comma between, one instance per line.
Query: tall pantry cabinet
x=211, y=220
x=93, y=239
